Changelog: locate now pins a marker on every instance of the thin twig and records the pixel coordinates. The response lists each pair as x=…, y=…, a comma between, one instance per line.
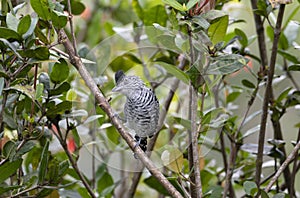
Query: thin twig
x=291, y=156
x=71, y=27
x=25, y=191
x=294, y=171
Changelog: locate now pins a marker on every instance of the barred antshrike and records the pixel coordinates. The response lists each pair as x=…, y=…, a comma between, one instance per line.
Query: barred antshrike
x=141, y=109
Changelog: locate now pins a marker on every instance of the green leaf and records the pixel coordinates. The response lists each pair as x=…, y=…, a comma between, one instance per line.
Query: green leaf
x=9, y=35
x=248, y=84
x=24, y=25
x=41, y=35
x=112, y=135
x=217, y=29
x=64, y=87
x=175, y=4
x=71, y=95
x=295, y=67
x=212, y=15
x=9, y=150
x=138, y=9
x=63, y=167
x=242, y=37
x=171, y=69
x=233, y=96
x=153, y=183
x=9, y=168
x=59, y=19
x=77, y=7
x=26, y=90
x=105, y=182
x=214, y=191
x=43, y=163
x=12, y=21
x=76, y=138
x=28, y=146
x=261, y=8
x=264, y=194
x=195, y=76
x=11, y=46
x=191, y=4
x=156, y=14
x=250, y=188
x=60, y=71
x=168, y=42
x=60, y=108
x=226, y=64
x=39, y=91
x=30, y=31
x=83, y=192
x=283, y=95
x=9, y=120
x=201, y=21
x=210, y=115
x=42, y=8
x=289, y=56
x=40, y=53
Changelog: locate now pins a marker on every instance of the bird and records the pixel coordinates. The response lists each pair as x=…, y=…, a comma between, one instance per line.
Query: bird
x=141, y=110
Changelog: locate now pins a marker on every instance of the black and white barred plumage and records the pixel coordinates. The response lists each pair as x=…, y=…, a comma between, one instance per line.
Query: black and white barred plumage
x=141, y=109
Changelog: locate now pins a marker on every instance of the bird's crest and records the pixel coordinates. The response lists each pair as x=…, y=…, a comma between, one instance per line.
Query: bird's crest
x=119, y=75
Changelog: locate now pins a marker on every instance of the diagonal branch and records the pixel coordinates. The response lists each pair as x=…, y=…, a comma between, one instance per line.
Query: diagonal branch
x=288, y=160
x=103, y=103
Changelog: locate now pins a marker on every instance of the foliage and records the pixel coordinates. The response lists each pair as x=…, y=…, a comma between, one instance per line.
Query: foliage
x=50, y=125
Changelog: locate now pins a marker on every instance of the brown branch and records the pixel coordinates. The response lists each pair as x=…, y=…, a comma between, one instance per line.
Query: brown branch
x=103, y=103
x=197, y=190
x=288, y=160
x=294, y=171
x=193, y=154
x=71, y=27
x=267, y=96
x=260, y=37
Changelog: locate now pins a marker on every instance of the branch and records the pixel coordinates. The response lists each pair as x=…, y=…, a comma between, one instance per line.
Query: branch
x=265, y=108
x=194, y=143
x=288, y=160
x=103, y=103
x=260, y=37
x=71, y=27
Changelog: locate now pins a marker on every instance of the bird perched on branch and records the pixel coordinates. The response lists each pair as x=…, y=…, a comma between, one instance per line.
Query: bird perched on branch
x=141, y=109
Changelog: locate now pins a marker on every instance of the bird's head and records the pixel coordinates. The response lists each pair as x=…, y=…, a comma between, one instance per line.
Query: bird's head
x=127, y=85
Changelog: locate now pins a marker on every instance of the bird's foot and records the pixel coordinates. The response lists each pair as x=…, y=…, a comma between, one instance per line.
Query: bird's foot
x=141, y=142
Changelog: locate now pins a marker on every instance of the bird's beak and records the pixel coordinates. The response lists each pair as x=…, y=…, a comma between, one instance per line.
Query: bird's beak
x=115, y=89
